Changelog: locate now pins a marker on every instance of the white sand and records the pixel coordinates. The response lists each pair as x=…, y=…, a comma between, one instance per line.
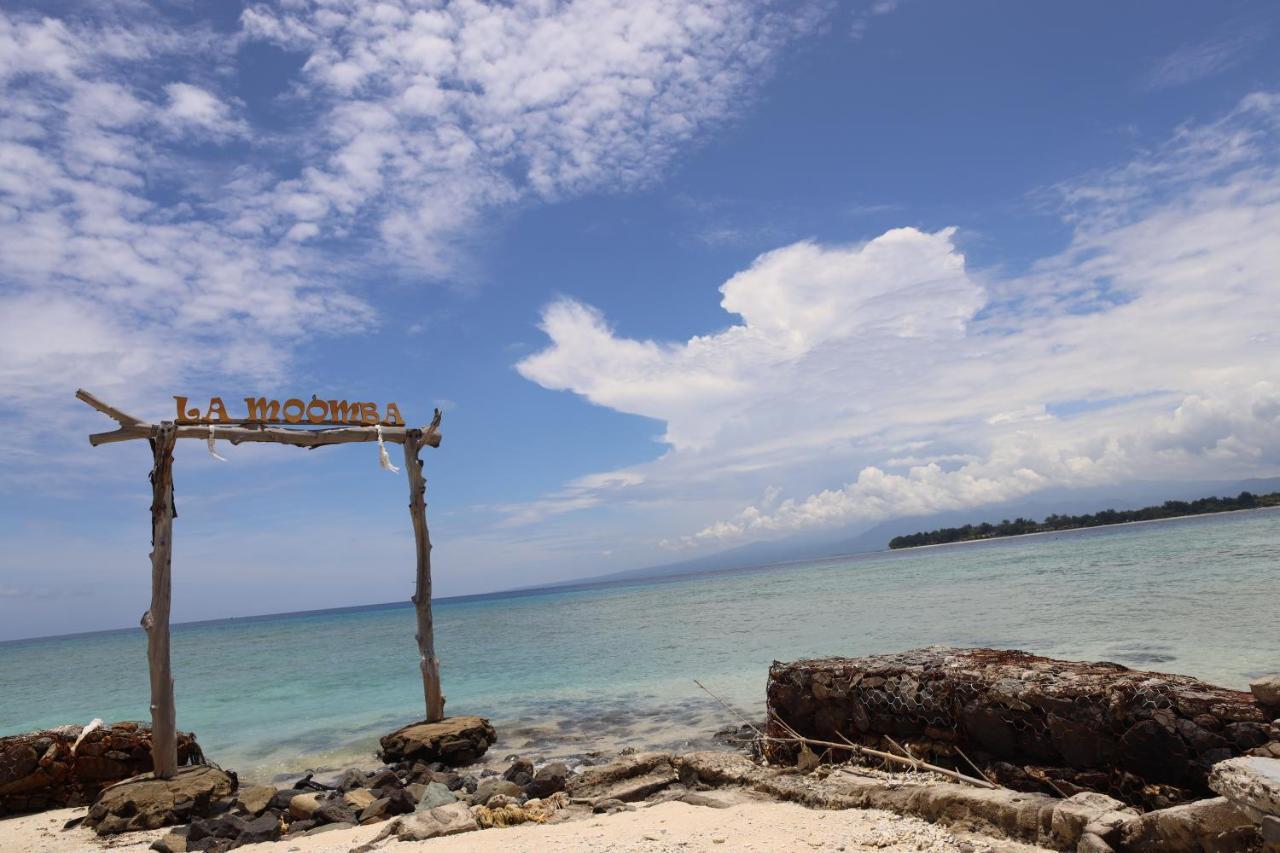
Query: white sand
x=755, y=827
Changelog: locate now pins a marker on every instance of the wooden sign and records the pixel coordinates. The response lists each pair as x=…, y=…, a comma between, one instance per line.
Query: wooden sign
x=260, y=410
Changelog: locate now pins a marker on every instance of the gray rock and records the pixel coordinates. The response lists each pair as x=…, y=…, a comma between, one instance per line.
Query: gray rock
x=1215, y=824
x=611, y=806
x=520, y=772
x=433, y=823
x=1252, y=783
x=434, y=796
x=548, y=780
x=334, y=811
x=1266, y=690
x=260, y=829
x=496, y=785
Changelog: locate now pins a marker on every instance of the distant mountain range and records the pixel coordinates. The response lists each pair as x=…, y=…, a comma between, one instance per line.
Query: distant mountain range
x=804, y=547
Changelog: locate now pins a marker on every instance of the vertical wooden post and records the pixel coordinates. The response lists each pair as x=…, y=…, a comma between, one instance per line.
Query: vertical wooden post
x=427, y=660
x=164, y=736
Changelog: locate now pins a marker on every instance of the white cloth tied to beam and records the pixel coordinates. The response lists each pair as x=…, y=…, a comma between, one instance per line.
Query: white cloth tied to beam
x=213, y=452
x=383, y=459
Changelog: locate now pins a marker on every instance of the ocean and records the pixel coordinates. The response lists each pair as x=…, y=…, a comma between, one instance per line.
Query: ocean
x=569, y=671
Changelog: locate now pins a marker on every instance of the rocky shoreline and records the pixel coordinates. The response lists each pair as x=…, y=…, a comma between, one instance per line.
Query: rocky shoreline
x=1051, y=739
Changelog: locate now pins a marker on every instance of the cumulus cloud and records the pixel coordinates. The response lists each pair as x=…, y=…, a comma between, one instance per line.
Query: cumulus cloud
x=935, y=386
x=136, y=247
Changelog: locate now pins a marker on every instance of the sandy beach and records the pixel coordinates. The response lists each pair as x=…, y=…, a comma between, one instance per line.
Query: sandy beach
x=748, y=826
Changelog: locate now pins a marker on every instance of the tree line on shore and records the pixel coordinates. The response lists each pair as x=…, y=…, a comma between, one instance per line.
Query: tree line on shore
x=1022, y=526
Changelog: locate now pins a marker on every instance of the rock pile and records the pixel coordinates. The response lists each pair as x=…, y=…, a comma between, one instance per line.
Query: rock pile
x=1033, y=723
x=47, y=770
x=419, y=799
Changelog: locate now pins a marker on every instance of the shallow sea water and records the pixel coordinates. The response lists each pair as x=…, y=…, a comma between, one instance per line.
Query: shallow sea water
x=563, y=672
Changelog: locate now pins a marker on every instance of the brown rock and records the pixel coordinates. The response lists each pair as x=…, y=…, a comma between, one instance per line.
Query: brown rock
x=453, y=741
x=148, y=803
x=255, y=799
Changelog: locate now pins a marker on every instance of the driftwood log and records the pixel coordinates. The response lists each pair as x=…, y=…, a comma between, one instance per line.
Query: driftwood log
x=1029, y=722
x=163, y=436
x=48, y=770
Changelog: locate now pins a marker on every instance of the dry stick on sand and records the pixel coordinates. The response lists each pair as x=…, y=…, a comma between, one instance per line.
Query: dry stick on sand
x=849, y=746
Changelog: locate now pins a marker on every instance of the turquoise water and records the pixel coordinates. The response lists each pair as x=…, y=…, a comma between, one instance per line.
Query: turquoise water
x=596, y=668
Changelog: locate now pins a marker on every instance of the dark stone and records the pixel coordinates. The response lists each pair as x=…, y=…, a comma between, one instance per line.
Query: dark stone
x=520, y=772
x=384, y=778
x=335, y=811
x=352, y=779
x=282, y=798
x=548, y=780
x=260, y=829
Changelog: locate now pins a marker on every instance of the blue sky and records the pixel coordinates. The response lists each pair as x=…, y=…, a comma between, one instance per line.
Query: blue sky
x=682, y=275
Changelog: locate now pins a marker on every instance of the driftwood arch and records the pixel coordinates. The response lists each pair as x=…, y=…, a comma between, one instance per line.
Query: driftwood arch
x=163, y=437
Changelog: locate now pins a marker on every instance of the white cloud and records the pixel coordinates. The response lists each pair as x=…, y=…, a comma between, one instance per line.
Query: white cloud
x=1192, y=62
x=192, y=109
x=132, y=253
x=1157, y=326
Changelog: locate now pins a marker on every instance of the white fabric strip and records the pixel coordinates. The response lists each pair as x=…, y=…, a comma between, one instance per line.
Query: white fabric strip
x=213, y=452
x=383, y=459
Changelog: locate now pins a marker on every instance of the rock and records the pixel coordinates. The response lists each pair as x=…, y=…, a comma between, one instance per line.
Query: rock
x=334, y=811
x=548, y=780
x=1079, y=726
x=453, y=741
x=376, y=811
x=1267, y=691
x=358, y=798
x=1213, y=824
x=148, y=803
x=1099, y=814
x=434, y=796
x=628, y=778
x=38, y=771
x=260, y=829
x=384, y=778
x=350, y=780
x=303, y=806
x=496, y=785
x=433, y=823
x=611, y=806
x=520, y=772
x=327, y=827
x=171, y=843
x=501, y=801
x=1252, y=783
x=255, y=799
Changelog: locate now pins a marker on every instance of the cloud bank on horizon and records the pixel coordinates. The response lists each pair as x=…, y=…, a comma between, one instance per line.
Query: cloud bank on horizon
x=1147, y=349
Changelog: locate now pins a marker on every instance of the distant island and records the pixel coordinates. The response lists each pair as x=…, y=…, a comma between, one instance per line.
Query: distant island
x=1023, y=526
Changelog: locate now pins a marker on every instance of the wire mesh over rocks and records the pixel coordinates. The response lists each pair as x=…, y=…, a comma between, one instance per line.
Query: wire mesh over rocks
x=1031, y=723
x=49, y=770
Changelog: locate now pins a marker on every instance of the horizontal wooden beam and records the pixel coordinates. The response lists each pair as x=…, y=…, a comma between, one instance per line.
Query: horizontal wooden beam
x=131, y=428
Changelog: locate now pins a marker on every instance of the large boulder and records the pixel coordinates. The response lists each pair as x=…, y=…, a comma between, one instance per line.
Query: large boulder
x=1034, y=723
x=145, y=802
x=453, y=741
x=1251, y=783
x=1267, y=691
x=430, y=823
x=50, y=770
x=628, y=778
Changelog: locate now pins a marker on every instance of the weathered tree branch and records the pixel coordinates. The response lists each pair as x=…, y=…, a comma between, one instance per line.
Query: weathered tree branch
x=428, y=663
x=131, y=428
